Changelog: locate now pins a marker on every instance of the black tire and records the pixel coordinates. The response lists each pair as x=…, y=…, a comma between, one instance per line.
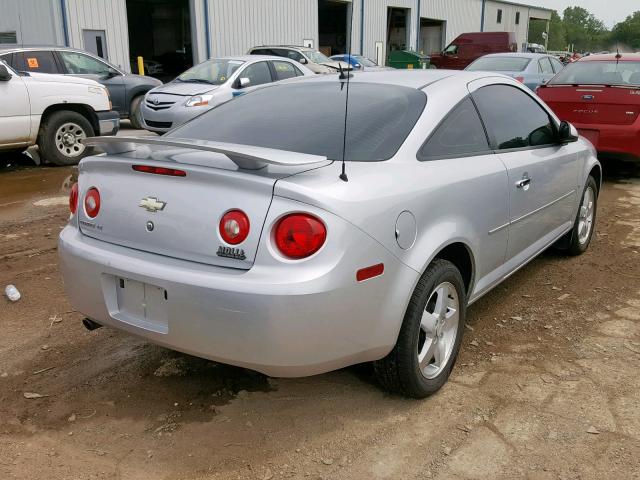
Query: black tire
x=399, y=372
x=134, y=112
x=48, y=143
x=575, y=244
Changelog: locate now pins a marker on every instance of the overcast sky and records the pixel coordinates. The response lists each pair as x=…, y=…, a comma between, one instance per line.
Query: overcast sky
x=609, y=11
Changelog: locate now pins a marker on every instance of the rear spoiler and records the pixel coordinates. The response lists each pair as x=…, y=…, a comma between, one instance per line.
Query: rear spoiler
x=245, y=156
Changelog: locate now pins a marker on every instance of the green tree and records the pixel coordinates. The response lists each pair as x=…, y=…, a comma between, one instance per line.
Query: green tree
x=627, y=33
x=557, y=33
x=584, y=30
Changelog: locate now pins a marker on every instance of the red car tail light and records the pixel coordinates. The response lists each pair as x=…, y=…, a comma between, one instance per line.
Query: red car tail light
x=73, y=199
x=92, y=202
x=234, y=227
x=299, y=235
x=171, y=172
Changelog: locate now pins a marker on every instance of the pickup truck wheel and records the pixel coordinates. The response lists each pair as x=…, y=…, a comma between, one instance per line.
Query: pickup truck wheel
x=134, y=112
x=430, y=336
x=61, y=135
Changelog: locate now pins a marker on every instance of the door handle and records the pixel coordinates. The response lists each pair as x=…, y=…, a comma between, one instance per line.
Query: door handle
x=524, y=183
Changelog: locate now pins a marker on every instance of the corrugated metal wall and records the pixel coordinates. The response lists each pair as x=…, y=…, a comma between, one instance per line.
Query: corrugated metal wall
x=237, y=25
x=107, y=15
x=36, y=22
x=375, y=23
x=460, y=16
x=508, y=23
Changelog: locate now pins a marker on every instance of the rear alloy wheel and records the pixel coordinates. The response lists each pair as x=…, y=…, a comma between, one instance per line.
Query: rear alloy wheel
x=430, y=336
x=585, y=222
x=135, y=116
x=61, y=135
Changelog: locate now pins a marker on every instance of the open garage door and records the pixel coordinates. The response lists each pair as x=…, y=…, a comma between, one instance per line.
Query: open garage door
x=160, y=32
x=397, y=29
x=432, y=35
x=333, y=26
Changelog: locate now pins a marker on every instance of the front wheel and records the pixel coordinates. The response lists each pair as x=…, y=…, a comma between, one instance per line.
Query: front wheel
x=61, y=135
x=429, y=339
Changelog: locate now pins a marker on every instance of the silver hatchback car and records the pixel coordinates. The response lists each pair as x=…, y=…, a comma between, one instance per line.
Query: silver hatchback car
x=211, y=83
x=242, y=237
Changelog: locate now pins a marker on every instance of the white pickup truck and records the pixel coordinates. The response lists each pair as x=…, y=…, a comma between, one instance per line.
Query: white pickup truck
x=53, y=111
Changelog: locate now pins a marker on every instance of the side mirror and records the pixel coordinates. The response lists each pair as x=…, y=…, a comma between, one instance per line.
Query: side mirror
x=5, y=76
x=244, y=82
x=304, y=61
x=567, y=132
x=110, y=74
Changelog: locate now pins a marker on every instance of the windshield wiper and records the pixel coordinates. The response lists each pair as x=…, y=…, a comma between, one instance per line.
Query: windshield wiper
x=198, y=80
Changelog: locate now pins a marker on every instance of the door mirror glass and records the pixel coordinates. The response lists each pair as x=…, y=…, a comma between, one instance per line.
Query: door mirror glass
x=567, y=132
x=5, y=76
x=112, y=72
x=244, y=82
x=303, y=60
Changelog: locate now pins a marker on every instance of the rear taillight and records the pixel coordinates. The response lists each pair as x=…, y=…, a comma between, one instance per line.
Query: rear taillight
x=234, y=227
x=92, y=203
x=73, y=199
x=171, y=172
x=299, y=235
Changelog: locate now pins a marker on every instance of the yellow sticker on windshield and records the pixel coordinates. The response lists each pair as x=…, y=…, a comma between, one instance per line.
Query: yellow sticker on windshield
x=32, y=62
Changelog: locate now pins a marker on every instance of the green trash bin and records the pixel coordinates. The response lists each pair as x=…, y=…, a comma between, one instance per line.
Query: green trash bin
x=408, y=59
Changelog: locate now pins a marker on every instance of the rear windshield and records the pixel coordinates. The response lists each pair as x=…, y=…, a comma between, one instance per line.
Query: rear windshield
x=599, y=73
x=308, y=117
x=500, y=64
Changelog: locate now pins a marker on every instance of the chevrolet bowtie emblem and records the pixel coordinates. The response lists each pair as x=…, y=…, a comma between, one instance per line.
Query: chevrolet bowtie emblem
x=152, y=204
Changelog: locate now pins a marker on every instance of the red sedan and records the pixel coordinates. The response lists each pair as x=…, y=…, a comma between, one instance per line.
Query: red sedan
x=600, y=95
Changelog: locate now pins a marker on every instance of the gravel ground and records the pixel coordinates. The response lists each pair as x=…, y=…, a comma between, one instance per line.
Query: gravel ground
x=546, y=387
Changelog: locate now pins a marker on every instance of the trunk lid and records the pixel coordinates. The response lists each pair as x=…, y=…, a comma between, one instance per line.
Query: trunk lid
x=184, y=211
x=593, y=104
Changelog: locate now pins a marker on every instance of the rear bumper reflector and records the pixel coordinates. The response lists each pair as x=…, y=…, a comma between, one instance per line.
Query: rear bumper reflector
x=370, y=272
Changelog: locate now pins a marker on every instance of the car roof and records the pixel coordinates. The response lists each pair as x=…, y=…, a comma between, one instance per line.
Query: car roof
x=296, y=47
x=252, y=58
x=611, y=57
x=417, y=78
x=519, y=55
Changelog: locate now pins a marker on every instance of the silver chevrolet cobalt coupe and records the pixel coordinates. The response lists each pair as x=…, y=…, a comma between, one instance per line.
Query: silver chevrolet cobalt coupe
x=242, y=237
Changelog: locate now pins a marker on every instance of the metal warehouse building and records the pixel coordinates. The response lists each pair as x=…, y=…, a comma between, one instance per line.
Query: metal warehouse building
x=181, y=32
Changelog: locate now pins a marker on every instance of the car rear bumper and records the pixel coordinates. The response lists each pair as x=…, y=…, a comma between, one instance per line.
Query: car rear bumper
x=623, y=140
x=288, y=320
x=108, y=123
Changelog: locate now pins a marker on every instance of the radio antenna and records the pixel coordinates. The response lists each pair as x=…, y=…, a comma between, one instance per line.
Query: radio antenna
x=342, y=77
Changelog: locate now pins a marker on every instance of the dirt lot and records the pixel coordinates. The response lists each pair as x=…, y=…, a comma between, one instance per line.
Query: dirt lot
x=547, y=385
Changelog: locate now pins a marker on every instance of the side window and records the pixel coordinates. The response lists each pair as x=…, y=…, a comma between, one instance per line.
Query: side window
x=257, y=73
x=513, y=119
x=262, y=51
x=557, y=65
x=545, y=66
x=285, y=70
x=40, y=61
x=293, y=55
x=461, y=133
x=8, y=59
x=279, y=52
x=79, y=64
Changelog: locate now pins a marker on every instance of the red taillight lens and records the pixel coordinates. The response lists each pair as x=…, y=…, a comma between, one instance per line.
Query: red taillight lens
x=92, y=203
x=73, y=199
x=234, y=227
x=171, y=172
x=299, y=235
